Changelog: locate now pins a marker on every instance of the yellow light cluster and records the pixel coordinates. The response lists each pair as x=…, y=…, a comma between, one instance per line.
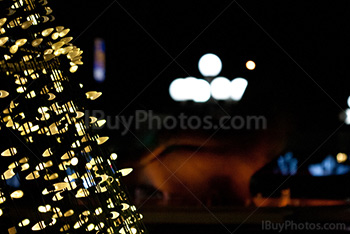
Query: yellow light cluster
x=60, y=158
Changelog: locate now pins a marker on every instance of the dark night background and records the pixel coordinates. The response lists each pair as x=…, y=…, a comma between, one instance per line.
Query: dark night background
x=314, y=34
x=301, y=82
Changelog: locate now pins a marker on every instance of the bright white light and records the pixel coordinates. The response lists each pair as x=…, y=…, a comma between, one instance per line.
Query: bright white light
x=209, y=65
x=114, y=156
x=220, y=88
x=349, y=101
x=238, y=87
x=190, y=89
x=347, y=116
x=250, y=65
x=202, y=91
x=74, y=161
x=176, y=91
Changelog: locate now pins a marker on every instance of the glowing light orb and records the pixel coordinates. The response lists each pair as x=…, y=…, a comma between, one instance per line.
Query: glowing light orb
x=209, y=65
x=114, y=156
x=238, y=87
x=220, y=88
x=250, y=65
x=17, y=194
x=341, y=157
x=175, y=90
x=202, y=91
x=347, y=116
x=190, y=89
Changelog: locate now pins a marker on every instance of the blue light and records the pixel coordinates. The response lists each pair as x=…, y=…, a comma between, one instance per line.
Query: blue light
x=329, y=166
x=14, y=181
x=287, y=164
x=99, y=60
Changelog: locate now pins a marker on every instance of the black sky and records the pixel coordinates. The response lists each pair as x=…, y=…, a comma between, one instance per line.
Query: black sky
x=300, y=48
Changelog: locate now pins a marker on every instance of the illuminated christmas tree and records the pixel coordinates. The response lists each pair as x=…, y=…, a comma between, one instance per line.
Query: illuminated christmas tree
x=56, y=177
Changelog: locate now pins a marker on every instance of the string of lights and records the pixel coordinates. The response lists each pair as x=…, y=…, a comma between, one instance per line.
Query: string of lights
x=56, y=176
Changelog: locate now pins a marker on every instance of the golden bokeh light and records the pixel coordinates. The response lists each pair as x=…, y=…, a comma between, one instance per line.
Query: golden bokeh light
x=341, y=157
x=250, y=65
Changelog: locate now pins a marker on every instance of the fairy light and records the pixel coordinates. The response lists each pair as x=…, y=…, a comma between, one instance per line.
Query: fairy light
x=61, y=149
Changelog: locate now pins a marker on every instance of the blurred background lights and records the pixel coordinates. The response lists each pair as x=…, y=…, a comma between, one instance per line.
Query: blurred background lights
x=238, y=87
x=341, y=157
x=220, y=88
x=347, y=116
x=202, y=91
x=250, y=65
x=99, y=60
x=287, y=164
x=329, y=166
x=190, y=89
x=175, y=89
x=209, y=65
x=199, y=90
